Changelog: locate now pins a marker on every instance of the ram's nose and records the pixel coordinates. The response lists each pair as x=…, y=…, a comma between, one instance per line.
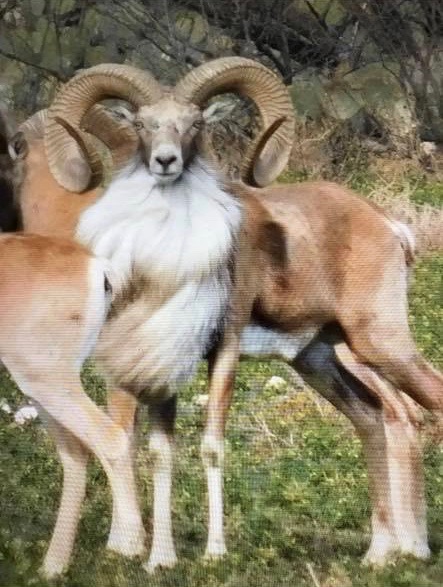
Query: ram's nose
x=165, y=161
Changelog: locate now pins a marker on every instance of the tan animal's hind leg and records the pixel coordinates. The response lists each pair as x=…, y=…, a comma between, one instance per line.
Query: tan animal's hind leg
x=62, y=396
x=386, y=423
x=74, y=458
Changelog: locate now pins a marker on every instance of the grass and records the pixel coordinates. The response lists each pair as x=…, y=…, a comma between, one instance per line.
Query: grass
x=297, y=509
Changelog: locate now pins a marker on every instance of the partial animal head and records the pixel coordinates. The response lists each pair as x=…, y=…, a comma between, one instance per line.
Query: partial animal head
x=167, y=126
x=8, y=210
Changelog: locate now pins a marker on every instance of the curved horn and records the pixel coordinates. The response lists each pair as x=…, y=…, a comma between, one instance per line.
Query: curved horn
x=252, y=79
x=34, y=126
x=75, y=98
x=257, y=148
x=84, y=142
x=118, y=135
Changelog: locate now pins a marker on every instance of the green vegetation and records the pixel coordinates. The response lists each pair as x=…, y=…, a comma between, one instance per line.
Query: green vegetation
x=428, y=193
x=420, y=188
x=297, y=508
x=296, y=489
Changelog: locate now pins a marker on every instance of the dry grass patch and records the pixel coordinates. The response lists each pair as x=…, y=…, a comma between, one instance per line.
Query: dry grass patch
x=425, y=220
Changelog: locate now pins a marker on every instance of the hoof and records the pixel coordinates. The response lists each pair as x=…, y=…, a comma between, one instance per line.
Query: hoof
x=160, y=561
x=52, y=570
x=378, y=558
x=129, y=545
x=215, y=551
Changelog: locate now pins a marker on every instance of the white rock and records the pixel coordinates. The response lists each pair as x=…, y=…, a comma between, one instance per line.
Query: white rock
x=276, y=382
x=202, y=399
x=25, y=414
x=4, y=406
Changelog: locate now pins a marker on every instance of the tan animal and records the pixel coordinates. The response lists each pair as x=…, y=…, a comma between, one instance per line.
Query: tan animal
x=54, y=297
x=209, y=267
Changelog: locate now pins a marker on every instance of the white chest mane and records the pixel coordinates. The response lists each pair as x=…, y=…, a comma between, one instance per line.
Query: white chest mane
x=181, y=235
x=179, y=231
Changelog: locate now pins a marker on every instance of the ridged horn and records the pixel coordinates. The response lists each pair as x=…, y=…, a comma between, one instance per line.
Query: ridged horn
x=83, y=141
x=252, y=79
x=257, y=147
x=34, y=126
x=76, y=97
x=119, y=136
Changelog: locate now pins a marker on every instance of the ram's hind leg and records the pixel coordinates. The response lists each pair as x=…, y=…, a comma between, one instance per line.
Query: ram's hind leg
x=403, y=466
x=389, y=348
x=377, y=331
x=387, y=427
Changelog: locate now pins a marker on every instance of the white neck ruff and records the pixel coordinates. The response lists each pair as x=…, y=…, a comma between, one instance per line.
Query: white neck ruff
x=182, y=235
x=180, y=231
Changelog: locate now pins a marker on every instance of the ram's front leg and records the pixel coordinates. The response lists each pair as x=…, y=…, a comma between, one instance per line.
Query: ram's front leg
x=122, y=408
x=222, y=367
x=161, y=419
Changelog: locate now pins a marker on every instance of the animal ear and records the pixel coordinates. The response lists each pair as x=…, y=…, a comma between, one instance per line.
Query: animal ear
x=217, y=111
x=18, y=146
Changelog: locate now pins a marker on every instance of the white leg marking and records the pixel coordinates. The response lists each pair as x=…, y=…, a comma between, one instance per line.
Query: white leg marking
x=393, y=453
x=383, y=542
x=400, y=525
x=212, y=454
x=407, y=495
x=162, y=550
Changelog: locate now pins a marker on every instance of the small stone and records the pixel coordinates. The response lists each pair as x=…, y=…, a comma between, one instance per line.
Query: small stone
x=202, y=399
x=276, y=382
x=5, y=407
x=25, y=414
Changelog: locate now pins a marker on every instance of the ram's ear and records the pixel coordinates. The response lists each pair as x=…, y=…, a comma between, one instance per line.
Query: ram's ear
x=217, y=111
x=18, y=146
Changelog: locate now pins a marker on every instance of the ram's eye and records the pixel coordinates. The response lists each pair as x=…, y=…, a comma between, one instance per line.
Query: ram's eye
x=197, y=125
x=138, y=125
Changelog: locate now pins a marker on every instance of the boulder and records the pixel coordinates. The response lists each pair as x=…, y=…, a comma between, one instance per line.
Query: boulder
x=191, y=26
x=373, y=91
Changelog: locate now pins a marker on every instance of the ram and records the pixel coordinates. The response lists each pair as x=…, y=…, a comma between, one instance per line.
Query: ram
x=209, y=267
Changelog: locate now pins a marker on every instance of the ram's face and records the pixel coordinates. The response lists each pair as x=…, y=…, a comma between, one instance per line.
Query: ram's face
x=168, y=131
